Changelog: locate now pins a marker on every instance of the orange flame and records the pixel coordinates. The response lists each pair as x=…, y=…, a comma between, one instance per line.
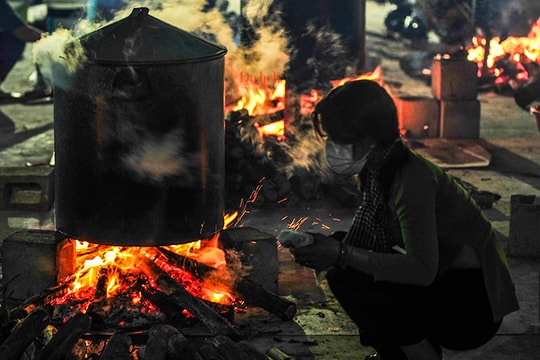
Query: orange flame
x=516, y=49
x=104, y=271
x=276, y=128
x=375, y=75
x=259, y=96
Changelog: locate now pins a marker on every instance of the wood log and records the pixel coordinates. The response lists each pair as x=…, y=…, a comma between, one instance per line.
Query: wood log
x=256, y=295
x=180, y=347
x=215, y=323
x=23, y=334
x=158, y=340
x=66, y=337
x=118, y=348
x=276, y=353
x=191, y=265
x=209, y=351
x=229, y=349
x=34, y=302
x=253, y=353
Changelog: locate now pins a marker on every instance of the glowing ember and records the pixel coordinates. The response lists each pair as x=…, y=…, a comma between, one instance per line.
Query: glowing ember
x=107, y=275
x=276, y=128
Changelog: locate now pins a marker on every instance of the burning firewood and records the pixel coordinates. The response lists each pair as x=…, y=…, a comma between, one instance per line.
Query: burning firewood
x=34, y=301
x=179, y=295
x=257, y=295
x=66, y=337
x=253, y=293
x=24, y=334
x=186, y=263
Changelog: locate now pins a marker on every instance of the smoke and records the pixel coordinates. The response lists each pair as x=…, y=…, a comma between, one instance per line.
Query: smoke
x=157, y=158
x=267, y=54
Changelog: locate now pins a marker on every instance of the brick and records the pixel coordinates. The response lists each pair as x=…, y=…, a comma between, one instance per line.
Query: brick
x=418, y=116
x=454, y=80
x=30, y=261
x=460, y=119
x=27, y=188
x=524, y=236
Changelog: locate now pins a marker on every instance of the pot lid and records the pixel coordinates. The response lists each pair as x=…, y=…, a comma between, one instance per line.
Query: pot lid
x=143, y=39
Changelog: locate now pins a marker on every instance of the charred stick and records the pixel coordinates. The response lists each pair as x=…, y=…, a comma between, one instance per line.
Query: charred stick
x=253, y=353
x=209, y=351
x=23, y=334
x=66, y=337
x=256, y=295
x=180, y=347
x=180, y=296
x=229, y=349
x=34, y=301
x=191, y=265
x=158, y=339
x=118, y=348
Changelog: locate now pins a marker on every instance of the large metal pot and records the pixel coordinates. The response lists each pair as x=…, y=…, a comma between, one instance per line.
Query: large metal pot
x=139, y=136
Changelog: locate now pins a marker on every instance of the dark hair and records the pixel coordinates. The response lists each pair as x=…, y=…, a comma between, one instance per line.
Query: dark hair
x=356, y=110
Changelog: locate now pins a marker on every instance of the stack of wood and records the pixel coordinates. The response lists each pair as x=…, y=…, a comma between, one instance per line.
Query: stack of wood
x=30, y=331
x=265, y=169
x=35, y=338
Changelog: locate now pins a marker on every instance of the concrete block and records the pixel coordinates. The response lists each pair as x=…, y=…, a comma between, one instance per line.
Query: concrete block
x=418, y=116
x=460, y=119
x=31, y=261
x=454, y=79
x=524, y=236
x=27, y=188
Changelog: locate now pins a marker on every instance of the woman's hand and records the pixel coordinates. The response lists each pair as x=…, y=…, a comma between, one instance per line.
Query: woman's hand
x=321, y=255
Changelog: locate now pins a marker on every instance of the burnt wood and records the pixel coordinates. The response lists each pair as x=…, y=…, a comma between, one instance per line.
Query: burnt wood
x=215, y=323
x=184, y=262
x=24, y=334
x=158, y=340
x=66, y=337
x=118, y=348
x=229, y=349
x=256, y=295
x=180, y=347
x=209, y=351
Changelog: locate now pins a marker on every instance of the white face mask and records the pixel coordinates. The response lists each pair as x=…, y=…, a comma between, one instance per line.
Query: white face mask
x=340, y=158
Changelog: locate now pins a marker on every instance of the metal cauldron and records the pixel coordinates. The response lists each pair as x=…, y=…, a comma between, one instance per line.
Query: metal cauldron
x=139, y=136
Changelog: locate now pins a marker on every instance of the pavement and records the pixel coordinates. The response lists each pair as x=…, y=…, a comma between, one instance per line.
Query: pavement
x=321, y=330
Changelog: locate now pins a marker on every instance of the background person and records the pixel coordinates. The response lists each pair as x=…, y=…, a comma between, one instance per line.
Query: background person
x=421, y=266
x=14, y=34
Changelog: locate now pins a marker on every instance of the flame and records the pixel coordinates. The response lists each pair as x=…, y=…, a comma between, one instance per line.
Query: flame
x=375, y=75
x=308, y=102
x=518, y=50
x=260, y=96
x=104, y=272
x=276, y=128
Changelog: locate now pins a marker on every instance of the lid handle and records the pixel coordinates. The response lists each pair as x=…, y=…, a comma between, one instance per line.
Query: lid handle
x=139, y=11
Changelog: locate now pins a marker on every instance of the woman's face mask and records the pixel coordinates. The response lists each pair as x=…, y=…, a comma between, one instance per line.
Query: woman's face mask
x=341, y=160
